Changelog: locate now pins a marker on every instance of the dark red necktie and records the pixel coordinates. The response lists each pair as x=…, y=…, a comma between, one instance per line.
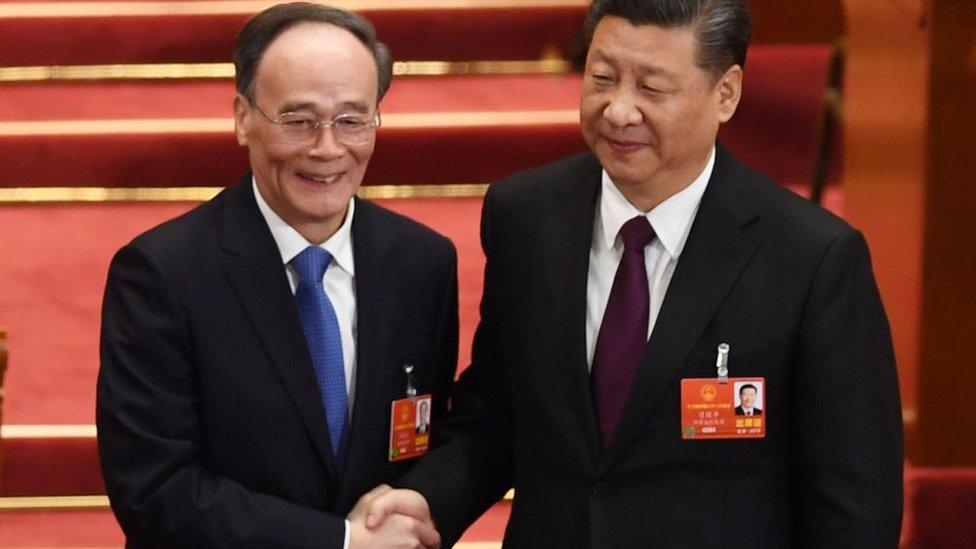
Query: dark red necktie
x=623, y=332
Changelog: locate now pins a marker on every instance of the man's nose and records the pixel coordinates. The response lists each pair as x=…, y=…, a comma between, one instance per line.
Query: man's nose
x=325, y=144
x=622, y=110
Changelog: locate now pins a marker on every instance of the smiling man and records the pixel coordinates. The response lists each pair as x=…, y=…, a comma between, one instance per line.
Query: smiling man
x=628, y=290
x=251, y=348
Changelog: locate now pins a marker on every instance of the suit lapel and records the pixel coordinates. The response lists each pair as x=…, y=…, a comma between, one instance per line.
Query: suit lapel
x=566, y=229
x=721, y=242
x=253, y=265
x=377, y=299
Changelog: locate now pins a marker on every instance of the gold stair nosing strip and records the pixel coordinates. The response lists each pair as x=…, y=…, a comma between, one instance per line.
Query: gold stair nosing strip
x=42, y=195
x=38, y=503
x=188, y=71
x=456, y=190
x=133, y=71
x=419, y=120
x=47, y=195
x=246, y=7
x=116, y=127
x=16, y=431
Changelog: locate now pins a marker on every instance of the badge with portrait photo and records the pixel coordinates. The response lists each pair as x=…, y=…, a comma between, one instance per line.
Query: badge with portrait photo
x=409, y=427
x=715, y=410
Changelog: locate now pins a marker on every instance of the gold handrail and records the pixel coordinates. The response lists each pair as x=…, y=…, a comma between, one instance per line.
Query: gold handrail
x=247, y=7
x=53, y=195
x=198, y=71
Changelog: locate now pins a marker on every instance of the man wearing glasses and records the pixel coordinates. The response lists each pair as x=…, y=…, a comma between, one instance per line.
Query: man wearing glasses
x=251, y=348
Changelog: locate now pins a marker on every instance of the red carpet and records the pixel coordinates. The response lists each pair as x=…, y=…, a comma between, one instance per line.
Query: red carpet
x=941, y=502
x=148, y=99
x=76, y=529
x=412, y=149
x=514, y=32
x=774, y=129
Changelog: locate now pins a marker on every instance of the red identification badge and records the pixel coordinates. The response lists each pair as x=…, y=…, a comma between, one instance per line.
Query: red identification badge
x=730, y=409
x=409, y=427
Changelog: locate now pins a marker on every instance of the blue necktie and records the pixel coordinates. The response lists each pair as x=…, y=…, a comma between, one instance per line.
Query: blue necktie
x=321, y=329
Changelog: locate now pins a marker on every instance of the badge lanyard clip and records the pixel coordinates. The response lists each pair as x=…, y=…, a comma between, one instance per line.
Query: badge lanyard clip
x=411, y=385
x=722, y=363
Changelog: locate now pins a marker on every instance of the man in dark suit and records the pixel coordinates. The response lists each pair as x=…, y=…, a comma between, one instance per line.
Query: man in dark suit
x=614, y=278
x=747, y=398
x=423, y=417
x=251, y=348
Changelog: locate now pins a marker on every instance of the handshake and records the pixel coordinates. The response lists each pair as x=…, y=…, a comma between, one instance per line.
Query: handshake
x=389, y=518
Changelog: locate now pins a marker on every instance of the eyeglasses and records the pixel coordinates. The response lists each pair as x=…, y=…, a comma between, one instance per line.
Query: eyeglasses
x=299, y=127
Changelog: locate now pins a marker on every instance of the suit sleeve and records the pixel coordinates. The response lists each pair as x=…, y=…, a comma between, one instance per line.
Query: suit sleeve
x=848, y=408
x=446, y=346
x=471, y=467
x=149, y=431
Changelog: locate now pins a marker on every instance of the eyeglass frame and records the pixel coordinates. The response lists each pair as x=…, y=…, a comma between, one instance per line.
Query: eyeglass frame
x=319, y=123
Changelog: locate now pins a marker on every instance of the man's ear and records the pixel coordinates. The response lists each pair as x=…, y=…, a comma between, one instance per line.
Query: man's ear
x=728, y=91
x=241, y=112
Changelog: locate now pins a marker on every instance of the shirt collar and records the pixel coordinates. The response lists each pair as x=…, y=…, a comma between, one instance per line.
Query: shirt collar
x=290, y=243
x=671, y=219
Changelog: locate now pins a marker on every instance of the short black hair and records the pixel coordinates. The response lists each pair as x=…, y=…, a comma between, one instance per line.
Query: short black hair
x=748, y=386
x=722, y=28
x=260, y=30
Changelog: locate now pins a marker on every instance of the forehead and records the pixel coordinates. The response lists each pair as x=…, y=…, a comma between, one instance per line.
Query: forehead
x=617, y=40
x=317, y=59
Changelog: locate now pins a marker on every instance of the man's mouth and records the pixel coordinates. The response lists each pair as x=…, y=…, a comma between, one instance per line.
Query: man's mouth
x=320, y=178
x=624, y=146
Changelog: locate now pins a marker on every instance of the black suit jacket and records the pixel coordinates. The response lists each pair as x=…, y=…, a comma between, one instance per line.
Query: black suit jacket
x=740, y=412
x=786, y=284
x=210, y=425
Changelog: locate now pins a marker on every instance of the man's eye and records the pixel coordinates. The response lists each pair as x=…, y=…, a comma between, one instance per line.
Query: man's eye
x=299, y=123
x=602, y=78
x=350, y=124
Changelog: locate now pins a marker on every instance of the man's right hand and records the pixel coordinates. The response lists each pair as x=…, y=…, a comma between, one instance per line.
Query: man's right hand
x=396, y=531
x=385, y=517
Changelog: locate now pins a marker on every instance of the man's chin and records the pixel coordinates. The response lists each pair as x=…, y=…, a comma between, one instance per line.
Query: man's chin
x=623, y=175
x=625, y=166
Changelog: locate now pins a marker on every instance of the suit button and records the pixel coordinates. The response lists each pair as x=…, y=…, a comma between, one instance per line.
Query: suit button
x=601, y=490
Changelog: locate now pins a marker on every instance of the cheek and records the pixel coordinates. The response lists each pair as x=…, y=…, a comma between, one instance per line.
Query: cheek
x=281, y=157
x=262, y=158
x=700, y=115
x=361, y=155
x=591, y=110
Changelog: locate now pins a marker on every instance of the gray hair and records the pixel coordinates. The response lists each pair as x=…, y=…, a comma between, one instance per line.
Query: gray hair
x=259, y=31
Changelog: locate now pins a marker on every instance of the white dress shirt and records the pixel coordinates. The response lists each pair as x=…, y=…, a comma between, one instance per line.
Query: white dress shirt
x=339, y=282
x=671, y=221
x=339, y=279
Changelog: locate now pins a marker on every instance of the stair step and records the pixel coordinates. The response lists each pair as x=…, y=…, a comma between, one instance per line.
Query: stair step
x=158, y=134
x=73, y=33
